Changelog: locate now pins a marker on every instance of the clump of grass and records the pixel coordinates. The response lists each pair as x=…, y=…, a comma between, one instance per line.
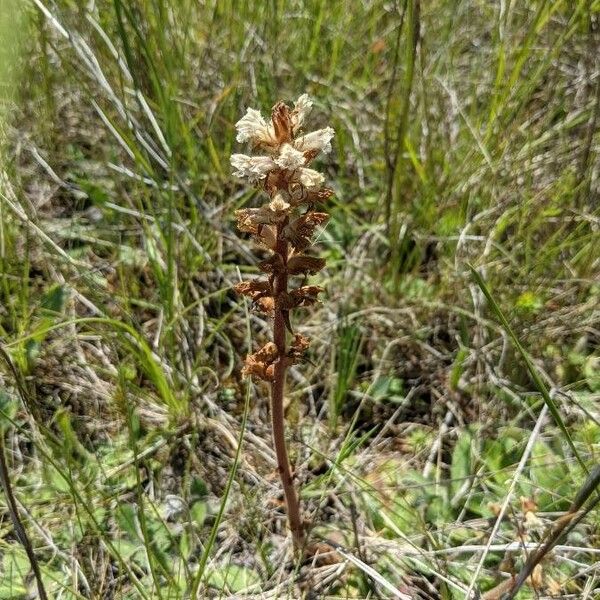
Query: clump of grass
x=285, y=226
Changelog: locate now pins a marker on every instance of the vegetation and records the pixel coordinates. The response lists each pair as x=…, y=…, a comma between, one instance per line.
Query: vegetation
x=444, y=426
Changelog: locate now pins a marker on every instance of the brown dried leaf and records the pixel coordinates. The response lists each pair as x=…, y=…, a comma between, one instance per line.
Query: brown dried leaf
x=536, y=579
x=301, y=264
x=322, y=554
x=305, y=295
x=265, y=305
x=253, y=289
x=282, y=123
x=299, y=231
x=498, y=591
x=273, y=264
x=267, y=236
x=319, y=195
x=554, y=587
x=309, y=155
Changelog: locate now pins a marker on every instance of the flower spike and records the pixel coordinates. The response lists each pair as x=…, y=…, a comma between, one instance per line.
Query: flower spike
x=285, y=225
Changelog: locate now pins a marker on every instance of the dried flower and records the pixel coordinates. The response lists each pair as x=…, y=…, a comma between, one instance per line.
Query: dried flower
x=253, y=289
x=303, y=265
x=265, y=305
x=250, y=220
x=298, y=347
x=282, y=124
x=305, y=295
x=268, y=236
x=300, y=230
x=280, y=226
x=273, y=264
x=300, y=195
x=260, y=364
x=279, y=203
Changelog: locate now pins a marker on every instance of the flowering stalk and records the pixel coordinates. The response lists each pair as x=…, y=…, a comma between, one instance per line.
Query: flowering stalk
x=285, y=226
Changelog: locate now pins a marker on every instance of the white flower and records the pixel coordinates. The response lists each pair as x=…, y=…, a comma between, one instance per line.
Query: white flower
x=302, y=107
x=286, y=156
x=254, y=168
x=319, y=140
x=279, y=203
x=290, y=158
x=309, y=178
x=253, y=127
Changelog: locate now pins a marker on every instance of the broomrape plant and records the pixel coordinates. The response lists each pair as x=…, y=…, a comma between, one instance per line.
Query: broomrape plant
x=285, y=226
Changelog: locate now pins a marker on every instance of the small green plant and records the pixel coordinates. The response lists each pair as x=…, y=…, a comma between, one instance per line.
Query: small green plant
x=284, y=226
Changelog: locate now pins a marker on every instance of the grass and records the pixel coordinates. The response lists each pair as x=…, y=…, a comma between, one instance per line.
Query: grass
x=417, y=421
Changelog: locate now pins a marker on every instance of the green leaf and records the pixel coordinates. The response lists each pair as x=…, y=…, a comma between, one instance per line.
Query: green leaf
x=551, y=477
x=199, y=511
x=198, y=488
x=233, y=578
x=127, y=549
x=458, y=367
x=12, y=591
x=387, y=388
x=461, y=466
x=53, y=301
x=32, y=351
x=55, y=479
x=127, y=519
x=185, y=545
x=437, y=510
x=591, y=372
x=8, y=410
x=13, y=569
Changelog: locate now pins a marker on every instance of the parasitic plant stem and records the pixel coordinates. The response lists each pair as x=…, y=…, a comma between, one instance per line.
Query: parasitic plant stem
x=284, y=227
x=284, y=469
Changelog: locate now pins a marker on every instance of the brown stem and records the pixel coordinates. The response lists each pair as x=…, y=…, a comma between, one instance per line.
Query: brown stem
x=280, y=285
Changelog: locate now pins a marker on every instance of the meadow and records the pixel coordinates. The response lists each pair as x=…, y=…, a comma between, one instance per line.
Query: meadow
x=444, y=427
